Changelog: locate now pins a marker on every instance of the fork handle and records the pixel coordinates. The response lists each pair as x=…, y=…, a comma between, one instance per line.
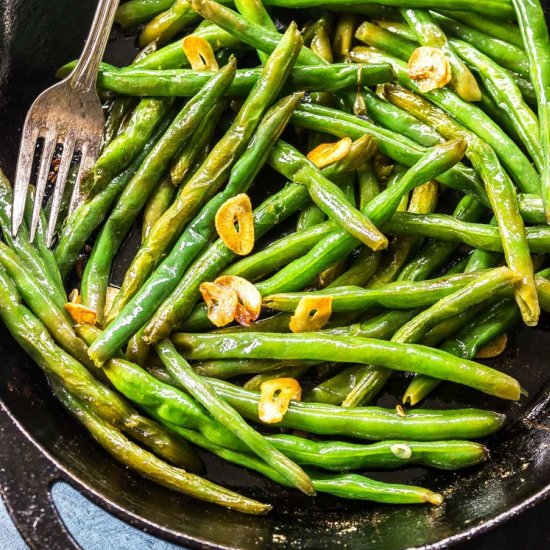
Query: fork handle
x=85, y=73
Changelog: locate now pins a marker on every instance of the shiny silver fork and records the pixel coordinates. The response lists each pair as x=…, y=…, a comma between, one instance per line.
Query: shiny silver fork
x=69, y=114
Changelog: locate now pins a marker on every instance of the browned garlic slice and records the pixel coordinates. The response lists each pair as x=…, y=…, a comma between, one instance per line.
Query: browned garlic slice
x=429, y=68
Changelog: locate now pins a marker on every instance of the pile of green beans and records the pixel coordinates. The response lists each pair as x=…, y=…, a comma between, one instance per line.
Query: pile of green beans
x=416, y=232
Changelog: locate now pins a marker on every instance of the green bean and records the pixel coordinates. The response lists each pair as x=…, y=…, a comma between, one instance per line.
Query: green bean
x=253, y=10
x=150, y=466
x=492, y=109
x=215, y=171
x=423, y=200
x=251, y=33
x=395, y=146
x=163, y=84
x=87, y=217
x=482, y=259
x=159, y=201
x=328, y=196
x=341, y=456
x=505, y=54
x=397, y=295
x=495, y=282
x=194, y=152
x=133, y=198
x=135, y=12
x=168, y=23
x=531, y=208
x=343, y=35
x=534, y=32
x=351, y=486
x=489, y=324
x=334, y=390
x=43, y=307
x=398, y=120
x=501, y=192
x=127, y=145
x=504, y=91
x=467, y=114
x=369, y=422
x=362, y=269
x=392, y=355
x=477, y=235
x=199, y=388
x=339, y=244
x=482, y=330
x=44, y=252
x=429, y=33
x=29, y=256
x=169, y=403
x=120, y=109
x=279, y=253
x=273, y=210
x=499, y=9
x=189, y=244
x=509, y=32
x=224, y=369
x=436, y=253
x=35, y=340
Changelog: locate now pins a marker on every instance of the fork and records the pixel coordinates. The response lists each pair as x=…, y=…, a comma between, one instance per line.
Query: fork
x=69, y=114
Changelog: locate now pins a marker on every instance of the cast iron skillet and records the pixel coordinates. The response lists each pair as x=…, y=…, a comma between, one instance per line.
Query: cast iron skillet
x=41, y=443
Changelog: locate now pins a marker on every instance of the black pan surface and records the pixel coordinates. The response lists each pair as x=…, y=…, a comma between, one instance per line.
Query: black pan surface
x=41, y=443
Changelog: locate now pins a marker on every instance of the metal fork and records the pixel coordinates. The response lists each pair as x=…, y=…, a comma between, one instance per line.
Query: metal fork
x=70, y=114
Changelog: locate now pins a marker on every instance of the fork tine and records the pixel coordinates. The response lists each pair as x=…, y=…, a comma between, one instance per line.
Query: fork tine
x=89, y=154
x=60, y=183
x=43, y=171
x=23, y=174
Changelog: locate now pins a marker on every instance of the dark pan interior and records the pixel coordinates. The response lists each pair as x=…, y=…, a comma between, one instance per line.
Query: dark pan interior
x=36, y=37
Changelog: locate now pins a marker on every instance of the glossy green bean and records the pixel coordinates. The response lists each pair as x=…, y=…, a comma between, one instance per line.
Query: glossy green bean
x=135, y=12
x=477, y=235
x=200, y=389
x=169, y=83
x=369, y=422
x=467, y=114
x=126, y=146
x=350, y=486
x=340, y=456
x=280, y=253
x=392, y=355
x=35, y=340
x=428, y=33
x=397, y=295
x=195, y=151
x=397, y=120
x=504, y=53
x=159, y=201
x=534, y=31
x=494, y=283
x=43, y=307
x=395, y=146
x=499, y=9
x=500, y=189
x=509, y=32
x=507, y=95
x=150, y=466
x=339, y=244
x=28, y=255
x=329, y=197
